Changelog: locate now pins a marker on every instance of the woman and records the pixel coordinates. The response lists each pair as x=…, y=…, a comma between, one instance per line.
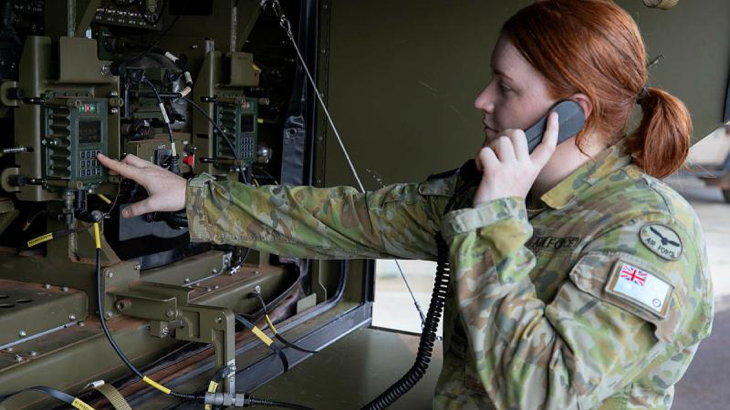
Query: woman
x=580, y=280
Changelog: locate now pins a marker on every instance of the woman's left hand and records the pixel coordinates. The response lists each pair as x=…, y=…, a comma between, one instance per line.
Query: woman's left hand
x=508, y=169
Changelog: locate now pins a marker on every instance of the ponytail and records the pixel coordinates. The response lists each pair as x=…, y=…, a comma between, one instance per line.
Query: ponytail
x=661, y=143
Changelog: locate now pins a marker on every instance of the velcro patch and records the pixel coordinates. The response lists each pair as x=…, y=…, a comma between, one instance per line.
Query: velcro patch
x=640, y=287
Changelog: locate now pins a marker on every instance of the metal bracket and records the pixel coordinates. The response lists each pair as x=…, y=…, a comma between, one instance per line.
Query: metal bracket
x=169, y=309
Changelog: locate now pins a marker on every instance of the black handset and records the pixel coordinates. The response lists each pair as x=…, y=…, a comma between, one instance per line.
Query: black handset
x=570, y=117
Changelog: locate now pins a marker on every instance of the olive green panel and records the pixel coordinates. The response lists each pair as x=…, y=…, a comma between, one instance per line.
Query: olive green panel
x=401, y=77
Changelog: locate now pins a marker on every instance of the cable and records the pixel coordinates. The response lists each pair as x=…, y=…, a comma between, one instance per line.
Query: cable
x=56, y=394
x=256, y=294
x=107, y=333
x=141, y=9
x=55, y=235
x=173, y=157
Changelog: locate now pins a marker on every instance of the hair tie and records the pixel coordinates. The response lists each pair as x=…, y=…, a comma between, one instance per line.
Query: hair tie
x=643, y=95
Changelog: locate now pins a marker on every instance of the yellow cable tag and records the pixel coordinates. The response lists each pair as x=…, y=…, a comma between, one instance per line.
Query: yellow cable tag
x=97, y=236
x=45, y=238
x=271, y=324
x=104, y=198
x=261, y=335
x=81, y=405
x=212, y=387
x=156, y=385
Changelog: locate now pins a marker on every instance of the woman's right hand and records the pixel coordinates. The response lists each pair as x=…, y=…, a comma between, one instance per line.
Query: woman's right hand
x=165, y=189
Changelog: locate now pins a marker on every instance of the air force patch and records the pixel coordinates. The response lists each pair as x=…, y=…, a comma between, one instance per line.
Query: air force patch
x=640, y=287
x=661, y=240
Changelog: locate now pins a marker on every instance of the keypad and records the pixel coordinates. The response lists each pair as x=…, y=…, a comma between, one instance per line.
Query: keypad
x=248, y=150
x=89, y=166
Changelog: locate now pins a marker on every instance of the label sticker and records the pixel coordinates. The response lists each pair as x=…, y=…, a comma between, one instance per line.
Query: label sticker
x=643, y=288
x=661, y=240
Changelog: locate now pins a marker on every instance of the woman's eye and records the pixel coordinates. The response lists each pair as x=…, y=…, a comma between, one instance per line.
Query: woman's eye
x=504, y=87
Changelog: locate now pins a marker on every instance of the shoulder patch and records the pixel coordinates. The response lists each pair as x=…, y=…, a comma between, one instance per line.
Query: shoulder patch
x=661, y=240
x=639, y=287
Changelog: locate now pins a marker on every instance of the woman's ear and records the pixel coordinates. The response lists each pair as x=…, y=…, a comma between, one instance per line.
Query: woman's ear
x=584, y=102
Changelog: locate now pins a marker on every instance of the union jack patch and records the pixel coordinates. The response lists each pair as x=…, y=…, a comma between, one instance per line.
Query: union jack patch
x=640, y=287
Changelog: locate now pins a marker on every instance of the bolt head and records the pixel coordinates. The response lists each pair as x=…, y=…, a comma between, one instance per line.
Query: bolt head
x=217, y=287
x=64, y=289
x=22, y=333
x=72, y=317
x=214, y=271
x=9, y=349
x=187, y=280
x=170, y=313
x=114, y=110
x=137, y=266
x=109, y=274
x=33, y=353
x=47, y=286
x=82, y=324
x=108, y=315
x=18, y=358
x=208, y=289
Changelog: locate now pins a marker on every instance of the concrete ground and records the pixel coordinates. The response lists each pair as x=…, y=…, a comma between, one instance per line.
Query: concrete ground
x=705, y=385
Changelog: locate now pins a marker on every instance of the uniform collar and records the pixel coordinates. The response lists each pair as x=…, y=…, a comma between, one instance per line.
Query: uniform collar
x=608, y=161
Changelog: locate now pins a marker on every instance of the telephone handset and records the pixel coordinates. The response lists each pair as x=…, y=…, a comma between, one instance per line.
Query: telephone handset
x=571, y=120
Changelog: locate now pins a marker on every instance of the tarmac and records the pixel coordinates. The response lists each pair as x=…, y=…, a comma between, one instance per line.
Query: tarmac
x=704, y=386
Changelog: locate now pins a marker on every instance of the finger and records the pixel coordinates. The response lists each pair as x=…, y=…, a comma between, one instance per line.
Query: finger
x=125, y=170
x=488, y=158
x=505, y=150
x=137, y=209
x=519, y=142
x=545, y=150
x=136, y=161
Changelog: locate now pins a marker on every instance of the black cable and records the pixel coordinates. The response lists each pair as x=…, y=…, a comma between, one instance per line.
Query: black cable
x=56, y=394
x=173, y=158
x=278, y=337
x=253, y=401
x=166, y=31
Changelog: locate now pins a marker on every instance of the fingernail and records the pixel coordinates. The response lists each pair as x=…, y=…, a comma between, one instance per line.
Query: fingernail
x=126, y=213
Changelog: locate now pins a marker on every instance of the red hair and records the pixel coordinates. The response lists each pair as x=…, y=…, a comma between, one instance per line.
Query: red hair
x=594, y=47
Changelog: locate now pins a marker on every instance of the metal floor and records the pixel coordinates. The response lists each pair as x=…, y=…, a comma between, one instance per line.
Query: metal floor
x=353, y=371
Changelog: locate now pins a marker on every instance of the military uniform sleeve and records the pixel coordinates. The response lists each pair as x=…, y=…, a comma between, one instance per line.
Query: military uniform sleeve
x=319, y=223
x=594, y=337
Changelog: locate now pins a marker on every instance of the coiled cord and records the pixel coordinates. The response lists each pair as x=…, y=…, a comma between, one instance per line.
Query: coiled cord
x=428, y=337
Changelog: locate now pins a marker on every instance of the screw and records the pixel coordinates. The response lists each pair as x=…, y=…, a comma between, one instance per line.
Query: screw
x=194, y=46
x=108, y=315
x=64, y=289
x=47, y=286
x=18, y=358
x=137, y=266
x=214, y=271
x=170, y=313
x=72, y=317
x=82, y=324
x=22, y=333
x=164, y=331
x=109, y=274
x=114, y=110
x=219, y=320
x=257, y=289
x=33, y=353
x=208, y=289
x=9, y=349
x=216, y=287
x=105, y=70
x=114, y=94
x=187, y=280
x=255, y=272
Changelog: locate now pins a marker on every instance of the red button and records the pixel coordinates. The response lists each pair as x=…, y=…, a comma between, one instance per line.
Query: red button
x=189, y=160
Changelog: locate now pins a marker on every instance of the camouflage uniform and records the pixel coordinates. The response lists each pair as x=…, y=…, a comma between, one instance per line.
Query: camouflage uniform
x=598, y=299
